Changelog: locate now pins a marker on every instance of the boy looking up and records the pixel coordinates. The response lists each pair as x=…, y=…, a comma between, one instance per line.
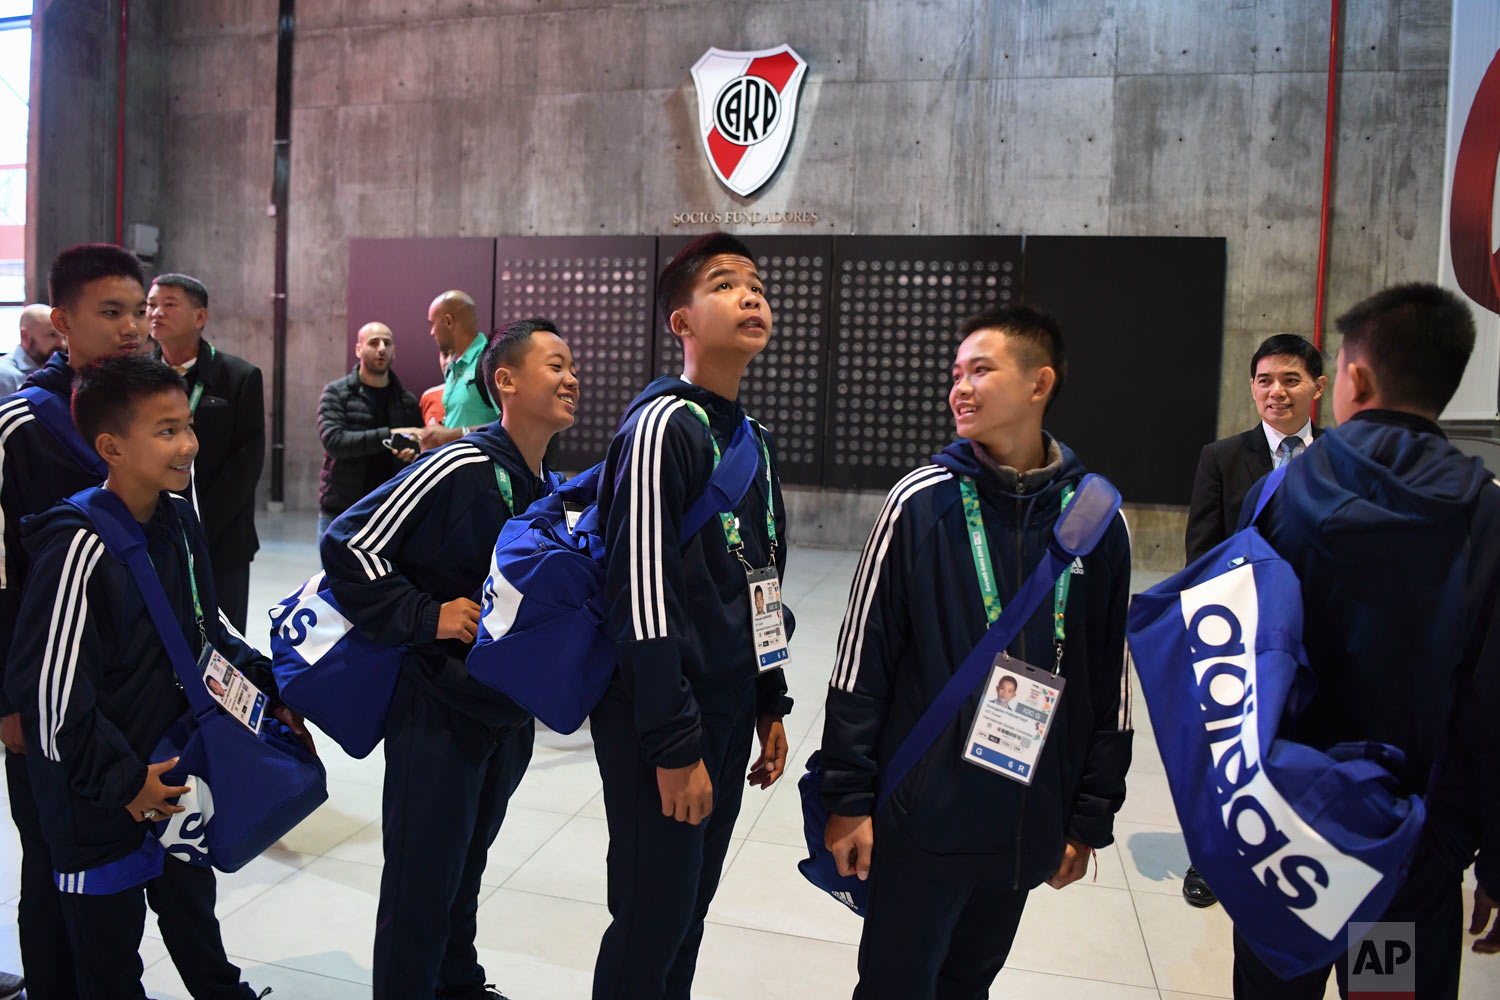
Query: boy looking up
x=406, y=564
x=97, y=690
x=673, y=732
x=953, y=855
x=99, y=304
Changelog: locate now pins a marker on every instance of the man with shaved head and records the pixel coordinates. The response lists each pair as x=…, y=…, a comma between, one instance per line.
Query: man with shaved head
x=360, y=416
x=466, y=404
x=38, y=341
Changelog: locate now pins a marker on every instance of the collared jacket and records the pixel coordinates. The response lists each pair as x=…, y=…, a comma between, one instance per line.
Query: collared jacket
x=354, y=460
x=35, y=473
x=230, y=423
x=915, y=612
x=1395, y=537
x=425, y=538
x=91, y=676
x=679, y=608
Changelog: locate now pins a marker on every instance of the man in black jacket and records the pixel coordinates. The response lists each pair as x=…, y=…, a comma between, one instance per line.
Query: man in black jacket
x=1286, y=379
x=954, y=854
x=357, y=415
x=228, y=402
x=1395, y=537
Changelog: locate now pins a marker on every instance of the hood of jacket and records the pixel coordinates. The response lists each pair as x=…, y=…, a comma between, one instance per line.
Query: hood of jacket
x=1379, y=475
x=962, y=458
x=724, y=415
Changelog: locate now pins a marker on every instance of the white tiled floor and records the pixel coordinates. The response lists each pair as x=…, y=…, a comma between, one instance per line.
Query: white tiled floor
x=301, y=918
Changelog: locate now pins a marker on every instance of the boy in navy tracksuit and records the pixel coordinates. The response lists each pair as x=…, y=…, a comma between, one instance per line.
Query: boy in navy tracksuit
x=99, y=301
x=406, y=565
x=1395, y=537
x=952, y=856
x=97, y=691
x=673, y=732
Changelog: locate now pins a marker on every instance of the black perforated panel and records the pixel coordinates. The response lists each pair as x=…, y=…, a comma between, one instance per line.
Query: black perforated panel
x=897, y=304
x=598, y=291
x=785, y=387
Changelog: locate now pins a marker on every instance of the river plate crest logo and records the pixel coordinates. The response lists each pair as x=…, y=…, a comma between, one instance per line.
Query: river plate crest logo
x=747, y=105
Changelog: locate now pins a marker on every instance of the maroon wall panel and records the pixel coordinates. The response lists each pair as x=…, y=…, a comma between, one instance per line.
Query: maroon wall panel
x=394, y=281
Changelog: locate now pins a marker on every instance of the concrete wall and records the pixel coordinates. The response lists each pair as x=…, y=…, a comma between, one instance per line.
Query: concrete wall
x=516, y=117
x=75, y=116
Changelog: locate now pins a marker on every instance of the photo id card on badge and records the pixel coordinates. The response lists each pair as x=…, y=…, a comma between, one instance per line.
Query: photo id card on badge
x=1014, y=717
x=232, y=689
x=765, y=619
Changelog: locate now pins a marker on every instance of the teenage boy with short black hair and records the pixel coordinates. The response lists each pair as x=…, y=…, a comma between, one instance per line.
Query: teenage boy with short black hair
x=97, y=690
x=98, y=299
x=406, y=564
x=1395, y=537
x=951, y=859
x=673, y=733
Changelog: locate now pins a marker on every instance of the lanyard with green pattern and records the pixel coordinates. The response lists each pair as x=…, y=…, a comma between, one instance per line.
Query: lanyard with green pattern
x=503, y=479
x=729, y=522
x=979, y=545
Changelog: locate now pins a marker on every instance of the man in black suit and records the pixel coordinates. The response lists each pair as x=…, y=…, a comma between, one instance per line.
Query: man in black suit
x=1286, y=378
x=228, y=402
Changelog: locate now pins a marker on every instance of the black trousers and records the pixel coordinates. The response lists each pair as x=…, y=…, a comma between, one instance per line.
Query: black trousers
x=663, y=873
x=930, y=940
x=106, y=931
x=46, y=955
x=448, y=780
x=232, y=588
x=1431, y=897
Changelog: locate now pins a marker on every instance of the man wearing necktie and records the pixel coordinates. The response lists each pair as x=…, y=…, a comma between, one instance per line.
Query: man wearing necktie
x=1286, y=378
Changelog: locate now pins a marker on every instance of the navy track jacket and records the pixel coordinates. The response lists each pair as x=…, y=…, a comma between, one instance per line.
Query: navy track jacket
x=92, y=678
x=678, y=609
x=424, y=538
x=1395, y=536
x=35, y=473
x=915, y=612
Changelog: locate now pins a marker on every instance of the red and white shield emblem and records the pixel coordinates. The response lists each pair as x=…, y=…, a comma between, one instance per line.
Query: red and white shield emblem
x=747, y=105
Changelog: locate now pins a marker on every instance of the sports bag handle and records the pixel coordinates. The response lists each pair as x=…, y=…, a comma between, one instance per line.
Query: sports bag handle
x=123, y=537
x=59, y=423
x=1336, y=781
x=1082, y=525
x=1273, y=481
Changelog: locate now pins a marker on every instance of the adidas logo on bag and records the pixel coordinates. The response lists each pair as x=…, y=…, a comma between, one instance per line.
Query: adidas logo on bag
x=1077, y=569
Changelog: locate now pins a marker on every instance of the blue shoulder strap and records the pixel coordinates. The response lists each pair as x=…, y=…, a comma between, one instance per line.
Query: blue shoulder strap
x=729, y=483
x=59, y=423
x=1272, y=482
x=975, y=666
x=122, y=536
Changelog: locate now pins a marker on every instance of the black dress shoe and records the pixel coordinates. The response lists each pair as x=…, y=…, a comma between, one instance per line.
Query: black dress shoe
x=1196, y=891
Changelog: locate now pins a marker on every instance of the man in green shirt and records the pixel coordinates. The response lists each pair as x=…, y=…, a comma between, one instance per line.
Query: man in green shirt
x=455, y=328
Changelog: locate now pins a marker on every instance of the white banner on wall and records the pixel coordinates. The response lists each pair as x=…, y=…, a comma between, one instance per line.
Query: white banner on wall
x=1475, y=60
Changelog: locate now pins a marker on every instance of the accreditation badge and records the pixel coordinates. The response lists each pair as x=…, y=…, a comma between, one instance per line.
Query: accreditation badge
x=766, y=626
x=1014, y=717
x=232, y=689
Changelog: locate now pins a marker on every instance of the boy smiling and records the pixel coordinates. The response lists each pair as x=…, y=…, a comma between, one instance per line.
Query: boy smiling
x=959, y=844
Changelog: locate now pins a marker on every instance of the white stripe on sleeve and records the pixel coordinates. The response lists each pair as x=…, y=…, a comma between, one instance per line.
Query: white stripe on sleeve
x=648, y=602
x=867, y=575
x=70, y=610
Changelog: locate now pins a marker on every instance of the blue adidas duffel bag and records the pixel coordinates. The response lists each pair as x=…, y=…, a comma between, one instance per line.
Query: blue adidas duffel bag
x=540, y=639
x=1295, y=841
x=331, y=672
